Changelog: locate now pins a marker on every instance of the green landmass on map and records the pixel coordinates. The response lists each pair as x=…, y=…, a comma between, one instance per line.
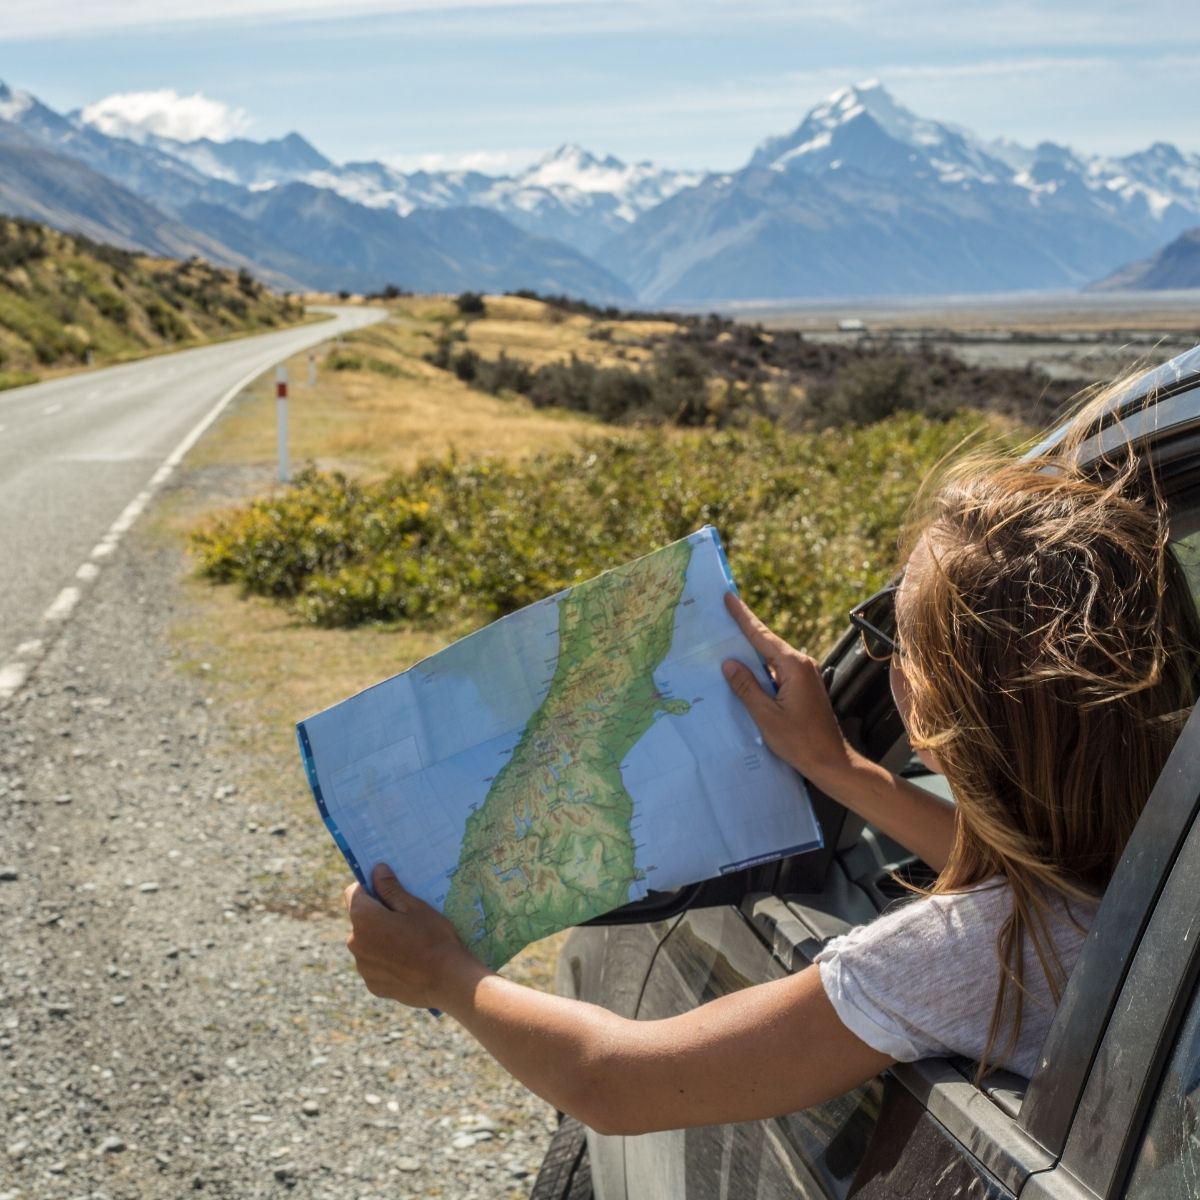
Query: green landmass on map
x=551, y=844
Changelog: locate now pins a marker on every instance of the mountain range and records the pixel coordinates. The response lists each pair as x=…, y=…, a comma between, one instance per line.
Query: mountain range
x=863, y=197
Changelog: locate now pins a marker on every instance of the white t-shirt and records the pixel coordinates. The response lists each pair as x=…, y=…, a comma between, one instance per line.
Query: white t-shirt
x=922, y=979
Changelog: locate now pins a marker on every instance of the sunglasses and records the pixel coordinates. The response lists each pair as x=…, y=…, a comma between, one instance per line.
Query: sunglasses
x=875, y=620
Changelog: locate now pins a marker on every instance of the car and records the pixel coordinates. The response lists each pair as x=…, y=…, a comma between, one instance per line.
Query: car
x=1111, y=1110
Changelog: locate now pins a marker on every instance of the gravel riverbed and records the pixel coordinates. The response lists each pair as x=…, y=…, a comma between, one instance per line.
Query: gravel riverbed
x=165, y=1029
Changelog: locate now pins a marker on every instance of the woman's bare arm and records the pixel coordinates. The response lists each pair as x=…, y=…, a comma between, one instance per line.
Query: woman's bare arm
x=760, y=1052
x=920, y=821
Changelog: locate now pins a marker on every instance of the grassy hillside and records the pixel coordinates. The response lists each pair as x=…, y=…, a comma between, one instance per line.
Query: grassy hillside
x=441, y=503
x=62, y=296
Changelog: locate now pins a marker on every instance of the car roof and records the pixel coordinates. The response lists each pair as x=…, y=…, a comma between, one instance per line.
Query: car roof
x=1161, y=401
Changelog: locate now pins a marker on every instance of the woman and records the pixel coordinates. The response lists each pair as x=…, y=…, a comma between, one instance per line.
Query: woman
x=1044, y=651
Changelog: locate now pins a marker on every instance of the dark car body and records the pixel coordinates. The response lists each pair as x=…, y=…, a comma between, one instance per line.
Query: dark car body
x=1112, y=1108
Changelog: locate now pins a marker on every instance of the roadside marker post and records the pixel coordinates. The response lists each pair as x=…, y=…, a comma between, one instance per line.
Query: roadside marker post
x=312, y=369
x=281, y=415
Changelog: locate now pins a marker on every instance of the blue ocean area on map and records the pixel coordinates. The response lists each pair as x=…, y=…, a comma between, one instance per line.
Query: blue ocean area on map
x=663, y=771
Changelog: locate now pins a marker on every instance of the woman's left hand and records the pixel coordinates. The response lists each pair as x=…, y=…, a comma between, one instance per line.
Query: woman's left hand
x=404, y=949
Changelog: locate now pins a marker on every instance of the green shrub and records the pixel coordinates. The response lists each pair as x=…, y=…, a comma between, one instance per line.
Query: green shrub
x=810, y=522
x=471, y=304
x=13, y=379
x=110, y=305
x=166, y=322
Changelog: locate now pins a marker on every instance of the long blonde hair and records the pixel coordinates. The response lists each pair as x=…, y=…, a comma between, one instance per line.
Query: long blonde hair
x=1052, y=649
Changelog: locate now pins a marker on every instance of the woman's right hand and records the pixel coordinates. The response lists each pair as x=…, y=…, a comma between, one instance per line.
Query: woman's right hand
x=797, y=722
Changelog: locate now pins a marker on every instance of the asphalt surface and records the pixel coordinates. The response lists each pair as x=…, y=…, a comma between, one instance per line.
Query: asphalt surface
x=179, y=1015
x=75, y=451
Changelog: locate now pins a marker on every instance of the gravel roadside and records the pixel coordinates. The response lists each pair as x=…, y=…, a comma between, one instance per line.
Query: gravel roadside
x=166, y=1030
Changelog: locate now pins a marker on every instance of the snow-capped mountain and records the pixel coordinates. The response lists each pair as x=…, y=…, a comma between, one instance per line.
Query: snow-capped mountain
x=137, y=194
x=573, y=195
x=865, y=197
x=569, y=193
x=14, y=103
x=250, y=164
x=570, y=172
x=864, y=128
x=862, y=197
x=145, y=170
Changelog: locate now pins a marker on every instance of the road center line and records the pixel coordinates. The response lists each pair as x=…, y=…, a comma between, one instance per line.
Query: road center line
x=12, y=678
x=64, y=604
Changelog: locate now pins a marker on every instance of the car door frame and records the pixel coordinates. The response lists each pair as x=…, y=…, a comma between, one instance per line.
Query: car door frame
x=1153, y=1004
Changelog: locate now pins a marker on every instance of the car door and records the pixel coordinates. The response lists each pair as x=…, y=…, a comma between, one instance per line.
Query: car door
x=1134, y=1130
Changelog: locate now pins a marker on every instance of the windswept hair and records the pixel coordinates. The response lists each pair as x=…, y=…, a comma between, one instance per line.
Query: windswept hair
x=1052, y=648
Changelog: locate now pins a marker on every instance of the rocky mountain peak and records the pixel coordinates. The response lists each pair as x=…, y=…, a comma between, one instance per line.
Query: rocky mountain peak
x=852, y=126
x=14, y=103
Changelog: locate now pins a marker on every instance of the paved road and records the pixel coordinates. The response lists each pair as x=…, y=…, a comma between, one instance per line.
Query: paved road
x=75, y=451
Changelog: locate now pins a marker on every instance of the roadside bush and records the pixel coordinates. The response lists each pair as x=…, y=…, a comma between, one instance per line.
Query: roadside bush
x=390, y=291
x=344, y=360
x=503, y=374
x=109, y=305
x=864, y=392
x=717, y=374
x=809, y=521
x=166, y=322
x=21, y=242
x=465, y=365
x=13, y=379
x=471, y=304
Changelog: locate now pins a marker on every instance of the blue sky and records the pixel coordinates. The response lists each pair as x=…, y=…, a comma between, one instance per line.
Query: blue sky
x=690, y=84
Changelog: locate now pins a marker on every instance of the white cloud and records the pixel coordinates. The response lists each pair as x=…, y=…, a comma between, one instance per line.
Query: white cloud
x=166, y=113
x=46, y=18
x=1065, y=24
x=490, y=162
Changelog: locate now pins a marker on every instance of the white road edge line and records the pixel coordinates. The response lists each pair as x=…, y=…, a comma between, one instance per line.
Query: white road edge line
x=12, y=679
x=15, y=674
x=64, y=604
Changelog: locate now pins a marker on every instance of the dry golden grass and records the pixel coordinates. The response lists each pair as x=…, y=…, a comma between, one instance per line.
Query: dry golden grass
x=533, y=341
x=425, y=308
x=365, y=422
x=539, y=333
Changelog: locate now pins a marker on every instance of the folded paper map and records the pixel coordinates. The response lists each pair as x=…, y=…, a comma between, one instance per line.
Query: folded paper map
x=564, y=760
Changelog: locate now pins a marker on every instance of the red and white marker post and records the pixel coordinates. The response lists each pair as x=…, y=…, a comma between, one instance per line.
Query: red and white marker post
x=281, y=420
